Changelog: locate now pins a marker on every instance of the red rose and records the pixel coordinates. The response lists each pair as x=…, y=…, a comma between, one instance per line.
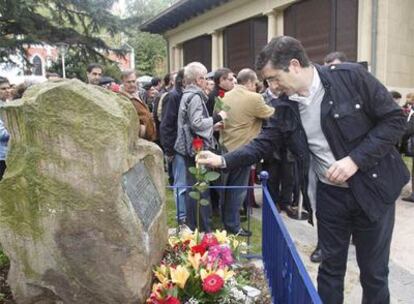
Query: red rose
x=201, y=249
x=197, y=144
x=213, y=283
x=171, y=300
x=209, y=240
x=221, y=93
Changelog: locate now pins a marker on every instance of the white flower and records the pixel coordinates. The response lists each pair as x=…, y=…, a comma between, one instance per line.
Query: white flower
x=192, y=301
x=237, y=294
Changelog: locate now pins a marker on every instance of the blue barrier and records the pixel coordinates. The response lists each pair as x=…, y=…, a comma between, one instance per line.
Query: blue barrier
x=289, y=282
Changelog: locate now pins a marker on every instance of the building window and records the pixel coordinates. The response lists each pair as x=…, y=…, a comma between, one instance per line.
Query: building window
x=37, y=66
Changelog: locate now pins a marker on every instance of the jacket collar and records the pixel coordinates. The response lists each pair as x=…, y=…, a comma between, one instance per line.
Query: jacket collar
x=323, y=74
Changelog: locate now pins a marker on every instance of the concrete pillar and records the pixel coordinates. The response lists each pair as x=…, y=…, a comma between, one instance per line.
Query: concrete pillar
x=364, y=31
x=274, y=24
x=216, y=50
x=176, y=58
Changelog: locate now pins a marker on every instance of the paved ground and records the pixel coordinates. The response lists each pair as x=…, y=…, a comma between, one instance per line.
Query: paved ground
x=401, y=278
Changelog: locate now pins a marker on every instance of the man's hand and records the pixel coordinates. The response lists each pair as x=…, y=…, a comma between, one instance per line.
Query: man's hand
x=341, y=170
x=218, y=126
x=209, y=159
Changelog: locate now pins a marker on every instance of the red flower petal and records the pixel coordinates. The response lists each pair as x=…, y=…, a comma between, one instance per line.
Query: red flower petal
x=201, y=249
x=213, y=283
x=197, y=144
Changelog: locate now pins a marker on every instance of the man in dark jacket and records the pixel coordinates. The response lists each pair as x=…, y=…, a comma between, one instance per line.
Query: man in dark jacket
x=343, y=122
x=168, y=136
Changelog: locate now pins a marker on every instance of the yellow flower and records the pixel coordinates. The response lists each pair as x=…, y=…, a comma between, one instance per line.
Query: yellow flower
x=173, y=240
x=156, y=288
x=204, y=273
x=225, y=274
x=179, y=276
x=161, y=273
x=187, y=236
x=221, y=236
x=194, y=260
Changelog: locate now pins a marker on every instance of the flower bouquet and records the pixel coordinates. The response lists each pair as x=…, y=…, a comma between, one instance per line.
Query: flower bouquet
x=199, y=269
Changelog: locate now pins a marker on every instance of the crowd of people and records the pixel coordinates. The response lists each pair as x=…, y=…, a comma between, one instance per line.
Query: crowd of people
x=326, y=133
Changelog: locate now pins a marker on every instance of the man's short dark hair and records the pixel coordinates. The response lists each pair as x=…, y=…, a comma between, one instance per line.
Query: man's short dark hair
x=179, y=79
x=395, y=94
x=155, y=81
x=246, y=75
x=335, y=55
x=220, y=73
x=167, y=80
x=280, y=51
x=92, y=66
x=4, y=80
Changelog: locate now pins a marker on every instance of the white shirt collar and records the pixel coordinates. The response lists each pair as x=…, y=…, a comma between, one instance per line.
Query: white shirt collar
x=315, y=87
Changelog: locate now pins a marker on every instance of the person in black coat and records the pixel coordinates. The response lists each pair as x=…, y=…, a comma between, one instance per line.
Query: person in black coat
x=343, y=122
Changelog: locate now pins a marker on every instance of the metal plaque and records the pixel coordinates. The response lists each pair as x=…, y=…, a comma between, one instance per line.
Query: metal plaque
x=141, y=191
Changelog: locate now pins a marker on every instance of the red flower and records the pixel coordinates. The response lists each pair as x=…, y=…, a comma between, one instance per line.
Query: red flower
x=209, y=240
x=197, y=144
x=171, y=300
x=221, y=93
x=213, y=283
x=201, y=249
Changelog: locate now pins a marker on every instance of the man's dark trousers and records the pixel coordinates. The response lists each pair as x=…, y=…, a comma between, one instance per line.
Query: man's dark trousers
x=339, y=215
x=231, y=199
x=281, y=181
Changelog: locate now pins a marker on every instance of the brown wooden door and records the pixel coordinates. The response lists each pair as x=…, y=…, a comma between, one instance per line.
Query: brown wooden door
x=324, y=26
x=243, y=42
x=198, y=49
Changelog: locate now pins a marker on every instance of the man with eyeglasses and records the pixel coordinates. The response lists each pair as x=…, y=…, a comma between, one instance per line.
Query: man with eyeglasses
x=342, y=122
x=146, y=122
x=195, y=121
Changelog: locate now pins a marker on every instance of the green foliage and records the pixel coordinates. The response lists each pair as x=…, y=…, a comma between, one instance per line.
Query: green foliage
x=76, y=23
x=150, y=52
x=150, y=49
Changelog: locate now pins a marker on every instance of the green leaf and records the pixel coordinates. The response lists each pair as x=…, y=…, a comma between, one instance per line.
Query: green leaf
x=195, y=195
x=211, y=176
x=192, y=170
x=203, y=186
x=204, y=202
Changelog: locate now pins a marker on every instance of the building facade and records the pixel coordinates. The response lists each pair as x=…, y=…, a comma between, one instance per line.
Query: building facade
x=231, y=32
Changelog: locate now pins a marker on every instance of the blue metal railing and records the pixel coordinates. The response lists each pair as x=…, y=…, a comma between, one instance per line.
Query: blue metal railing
x=289, y=282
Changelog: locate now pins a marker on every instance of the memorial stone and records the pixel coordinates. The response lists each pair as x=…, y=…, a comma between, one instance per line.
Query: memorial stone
x=82, y=203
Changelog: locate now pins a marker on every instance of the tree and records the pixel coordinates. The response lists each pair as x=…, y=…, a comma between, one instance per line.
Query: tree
x=76, y=23
x=150, y=49
x=76, y=65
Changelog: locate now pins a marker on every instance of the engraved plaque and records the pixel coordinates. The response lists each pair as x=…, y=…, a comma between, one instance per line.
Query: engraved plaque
x=142, y=193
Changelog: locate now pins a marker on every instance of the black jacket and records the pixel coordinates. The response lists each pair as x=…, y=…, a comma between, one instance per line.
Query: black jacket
x=168, y=127
x=359, y=119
